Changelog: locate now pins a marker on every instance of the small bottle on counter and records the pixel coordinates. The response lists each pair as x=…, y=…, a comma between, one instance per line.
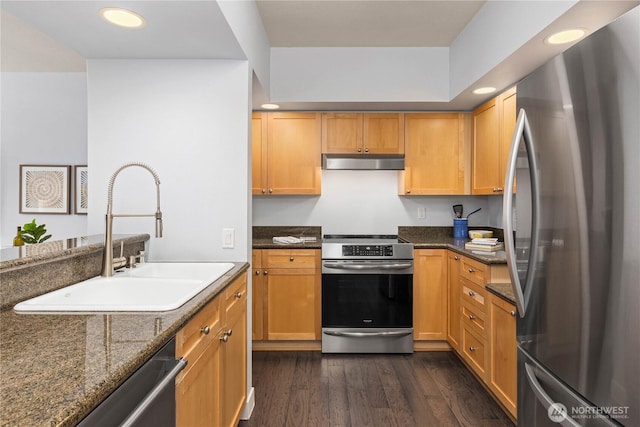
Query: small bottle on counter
x=17, y=241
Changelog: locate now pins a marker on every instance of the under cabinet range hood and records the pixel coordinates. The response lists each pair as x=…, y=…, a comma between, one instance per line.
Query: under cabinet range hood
x=363, y=162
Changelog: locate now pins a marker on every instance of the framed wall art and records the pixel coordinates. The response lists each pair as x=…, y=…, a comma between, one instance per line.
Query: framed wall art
x=45, y=189
x=81, y=180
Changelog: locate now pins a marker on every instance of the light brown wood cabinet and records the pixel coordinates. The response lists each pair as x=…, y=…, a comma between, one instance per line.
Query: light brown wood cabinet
x=435, y=154
x=453, y=300
x=485, y=332
x=211, y=390
x=430, y=294
x=257, y=300
x=503, y=352
x=291, y=294
x=286, y=153
x=363, y=133
x=493, y=125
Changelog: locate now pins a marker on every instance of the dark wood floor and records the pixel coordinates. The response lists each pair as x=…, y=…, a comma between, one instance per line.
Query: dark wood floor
x=424, y=389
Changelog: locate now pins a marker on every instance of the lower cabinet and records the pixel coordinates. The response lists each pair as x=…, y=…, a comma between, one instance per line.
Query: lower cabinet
x=453, y=301
x=290, y=281
x=503, y=352
x=211, y=390
x=430, y=294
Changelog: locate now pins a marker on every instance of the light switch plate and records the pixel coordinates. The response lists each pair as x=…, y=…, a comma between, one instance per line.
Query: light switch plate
x=228, y=238
x=422, y=213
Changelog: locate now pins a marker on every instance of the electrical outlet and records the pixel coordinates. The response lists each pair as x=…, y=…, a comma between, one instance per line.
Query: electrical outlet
x=228, y=238
x=422, y=213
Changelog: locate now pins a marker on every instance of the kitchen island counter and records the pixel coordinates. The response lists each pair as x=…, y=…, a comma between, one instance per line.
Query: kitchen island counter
x=55, y=368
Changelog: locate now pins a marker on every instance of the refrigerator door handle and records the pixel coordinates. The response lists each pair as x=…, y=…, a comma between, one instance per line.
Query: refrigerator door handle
x=521, y=133
x=545, y=399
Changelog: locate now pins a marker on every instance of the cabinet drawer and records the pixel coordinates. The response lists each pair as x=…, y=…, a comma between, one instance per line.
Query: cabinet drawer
x=474, y=319
x=473, y=294
x=474, y=271
x=474, y=351
x=194, y=337
x=294, y=258
x=235, y=299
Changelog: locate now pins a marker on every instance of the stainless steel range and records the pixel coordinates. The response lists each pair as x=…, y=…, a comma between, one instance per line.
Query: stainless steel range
x=367, y=294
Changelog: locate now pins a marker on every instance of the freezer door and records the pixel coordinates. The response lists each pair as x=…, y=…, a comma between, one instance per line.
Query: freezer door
x=545, y=401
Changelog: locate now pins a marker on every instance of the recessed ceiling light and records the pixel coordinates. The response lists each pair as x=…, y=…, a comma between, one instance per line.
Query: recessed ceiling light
x=566, y=36
x=122, y=17
x=270, y=106
x=484, y=90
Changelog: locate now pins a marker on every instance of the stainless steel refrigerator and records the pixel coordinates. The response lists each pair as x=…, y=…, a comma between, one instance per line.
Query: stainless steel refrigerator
x=572, y=233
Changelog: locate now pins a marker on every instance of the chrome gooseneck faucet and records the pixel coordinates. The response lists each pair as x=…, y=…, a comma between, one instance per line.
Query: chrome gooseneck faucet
x=107, y=257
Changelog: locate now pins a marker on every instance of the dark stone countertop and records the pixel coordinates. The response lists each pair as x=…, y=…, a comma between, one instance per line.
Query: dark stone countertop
x=442, y=238
x=55, y=368
x=503, y=290
x=263, y=237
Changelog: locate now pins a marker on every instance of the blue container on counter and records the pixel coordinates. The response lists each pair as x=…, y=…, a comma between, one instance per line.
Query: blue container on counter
x=460, y=228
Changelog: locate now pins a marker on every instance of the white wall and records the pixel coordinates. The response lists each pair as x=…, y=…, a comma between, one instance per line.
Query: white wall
x=409, y=74
x=189, y=120
x=364, y=202
x=44, y=121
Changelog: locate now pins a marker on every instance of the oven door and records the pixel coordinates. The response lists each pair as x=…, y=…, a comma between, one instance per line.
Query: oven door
x=367, y=306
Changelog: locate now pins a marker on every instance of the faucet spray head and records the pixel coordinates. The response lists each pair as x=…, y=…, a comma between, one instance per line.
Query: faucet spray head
x=158, y=224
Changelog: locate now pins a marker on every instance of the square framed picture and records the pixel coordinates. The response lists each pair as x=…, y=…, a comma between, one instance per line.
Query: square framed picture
x=45, y=189
x=81, y=180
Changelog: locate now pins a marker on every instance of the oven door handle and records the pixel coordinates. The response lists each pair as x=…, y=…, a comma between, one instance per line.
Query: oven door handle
x=368, y=334
x=396, y=266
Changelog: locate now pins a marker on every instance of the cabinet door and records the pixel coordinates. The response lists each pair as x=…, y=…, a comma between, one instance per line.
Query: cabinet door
x=453, y=301
x=508, y=118
x=503, y=352
x=486, y=150
x=434, y=154
x=234, y=359
x=383, y=133
x=294, y=161
x=292, y=304
x=259, y=153
x=342, y=132
x=257, y=298
x=430, y=294
x=198, y=391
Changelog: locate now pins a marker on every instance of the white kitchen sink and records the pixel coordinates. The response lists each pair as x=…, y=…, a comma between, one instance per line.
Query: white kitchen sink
x=149, y=287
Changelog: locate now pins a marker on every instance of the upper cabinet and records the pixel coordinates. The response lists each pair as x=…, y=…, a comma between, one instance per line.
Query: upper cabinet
x=435, y=154
x=363, y=133
x=493, y=125
x=286, y=153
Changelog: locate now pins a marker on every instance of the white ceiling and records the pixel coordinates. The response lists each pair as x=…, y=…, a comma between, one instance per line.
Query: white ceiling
x=198, y=29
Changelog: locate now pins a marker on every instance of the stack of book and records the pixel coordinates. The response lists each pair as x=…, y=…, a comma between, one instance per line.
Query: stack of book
x=484, y=244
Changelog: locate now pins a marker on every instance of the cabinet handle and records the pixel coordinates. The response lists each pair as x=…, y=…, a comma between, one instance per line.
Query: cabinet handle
x=366, y=150
x=264, y=191
x=271, y=190
x=408, y=191
x=291, y=259
x=471, y=270
x=238, y=295
x=229, y=332
x=513, y=313
x=500, y=189
x=205, y=330
x=472, y=294
x=265, y=272
x=224, y=338
x=495, y=189
x=456, y=258
x=472, y=317
x=359, y=150
x=472, y=348
x=257, y=272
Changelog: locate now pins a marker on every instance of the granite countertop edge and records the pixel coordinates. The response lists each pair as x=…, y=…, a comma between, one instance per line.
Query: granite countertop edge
x=502, y=290
x=74, y=411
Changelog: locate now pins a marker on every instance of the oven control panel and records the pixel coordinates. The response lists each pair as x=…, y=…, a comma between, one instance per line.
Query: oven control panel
x=367, y=250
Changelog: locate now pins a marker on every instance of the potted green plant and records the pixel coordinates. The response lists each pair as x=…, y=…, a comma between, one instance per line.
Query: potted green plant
x=34, y=233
